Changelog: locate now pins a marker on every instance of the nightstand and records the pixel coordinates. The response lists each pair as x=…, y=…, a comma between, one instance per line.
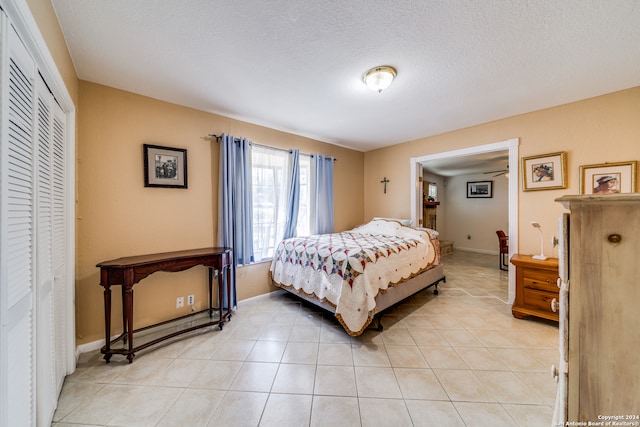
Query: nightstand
x=536, y=287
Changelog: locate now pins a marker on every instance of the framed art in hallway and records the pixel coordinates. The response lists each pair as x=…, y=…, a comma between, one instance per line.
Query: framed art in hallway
x=608, y=178
x=479, y=189
x=165, y=166
x=544, y=172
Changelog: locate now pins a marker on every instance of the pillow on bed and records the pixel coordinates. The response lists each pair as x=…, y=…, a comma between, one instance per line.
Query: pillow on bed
x=405, y=222
x=432, y=233
x=391, y=228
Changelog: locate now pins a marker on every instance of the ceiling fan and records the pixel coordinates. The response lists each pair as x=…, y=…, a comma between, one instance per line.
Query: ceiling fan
x=499, y=172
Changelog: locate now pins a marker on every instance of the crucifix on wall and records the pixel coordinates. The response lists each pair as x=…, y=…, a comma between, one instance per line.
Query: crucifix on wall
x=384, y=181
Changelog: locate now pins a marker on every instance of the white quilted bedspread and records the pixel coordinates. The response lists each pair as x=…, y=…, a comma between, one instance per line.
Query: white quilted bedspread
x=349, y=269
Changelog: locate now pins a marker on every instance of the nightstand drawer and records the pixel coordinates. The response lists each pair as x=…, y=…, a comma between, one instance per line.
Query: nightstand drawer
x=540, y=279
x=539, y=300
x=536, y=287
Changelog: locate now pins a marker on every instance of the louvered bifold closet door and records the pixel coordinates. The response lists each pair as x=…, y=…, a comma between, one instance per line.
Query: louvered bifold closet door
x=59, y=214
x=45, y=330
x=17, y=208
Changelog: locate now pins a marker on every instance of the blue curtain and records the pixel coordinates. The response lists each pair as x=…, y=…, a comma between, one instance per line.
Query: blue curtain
x=235, y=202
x=293, y=195
x=323, y=193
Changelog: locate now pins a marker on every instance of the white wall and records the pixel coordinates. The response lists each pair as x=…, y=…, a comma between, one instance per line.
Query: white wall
x=479, y=218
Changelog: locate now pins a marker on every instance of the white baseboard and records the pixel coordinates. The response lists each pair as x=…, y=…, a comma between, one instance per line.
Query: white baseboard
x=259, y=297
x=98, y=344
x=90, y=346
x=478, y=251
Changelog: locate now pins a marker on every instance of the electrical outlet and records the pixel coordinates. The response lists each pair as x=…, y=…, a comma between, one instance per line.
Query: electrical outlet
x=179, y=302
x=190, y=299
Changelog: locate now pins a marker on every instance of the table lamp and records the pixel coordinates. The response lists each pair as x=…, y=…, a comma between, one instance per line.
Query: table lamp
x=541, y=256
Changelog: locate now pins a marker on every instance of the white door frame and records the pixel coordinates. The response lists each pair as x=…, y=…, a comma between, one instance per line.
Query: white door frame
x=512, y=146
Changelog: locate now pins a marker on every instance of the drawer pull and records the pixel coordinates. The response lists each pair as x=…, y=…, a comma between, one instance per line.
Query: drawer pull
x=614, y=238
x=554, y=305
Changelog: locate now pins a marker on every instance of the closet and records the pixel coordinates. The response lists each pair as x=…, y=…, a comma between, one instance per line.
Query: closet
x=36, y=232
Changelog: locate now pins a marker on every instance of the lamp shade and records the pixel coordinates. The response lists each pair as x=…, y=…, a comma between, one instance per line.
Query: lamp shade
x=379, y=78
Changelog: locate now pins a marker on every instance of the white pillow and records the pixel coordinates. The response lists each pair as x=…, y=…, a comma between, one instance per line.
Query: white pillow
x=405, y=222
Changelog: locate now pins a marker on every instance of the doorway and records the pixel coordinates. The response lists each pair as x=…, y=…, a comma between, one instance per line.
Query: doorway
x=512, y=146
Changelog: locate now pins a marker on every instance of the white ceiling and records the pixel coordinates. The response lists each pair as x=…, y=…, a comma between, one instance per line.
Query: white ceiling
x=296, y=66
x=491, y=164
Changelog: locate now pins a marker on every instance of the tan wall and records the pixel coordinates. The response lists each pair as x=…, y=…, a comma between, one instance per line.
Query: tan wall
x=592, y=131
x=118, y=216
x=47, y=22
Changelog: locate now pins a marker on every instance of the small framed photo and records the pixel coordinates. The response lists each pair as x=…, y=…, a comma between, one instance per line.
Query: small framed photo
x=165, y=167
x=479, y=190
x=544, y=172
x=608, y=178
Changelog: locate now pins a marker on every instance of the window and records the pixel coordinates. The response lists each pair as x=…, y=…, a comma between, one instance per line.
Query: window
x=270, y=171
x=433, y=191
x=304, y=213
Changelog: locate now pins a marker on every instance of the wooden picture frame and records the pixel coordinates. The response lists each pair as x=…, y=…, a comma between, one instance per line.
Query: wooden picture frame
x=479, y=189
x=165, y=167
x=544, y=172
x=608, y=178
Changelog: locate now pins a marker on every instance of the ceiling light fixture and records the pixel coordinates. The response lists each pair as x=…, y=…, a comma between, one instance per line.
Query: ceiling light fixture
x=379, y=78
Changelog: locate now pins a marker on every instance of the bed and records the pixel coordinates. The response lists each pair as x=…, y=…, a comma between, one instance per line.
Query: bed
x=359, y=273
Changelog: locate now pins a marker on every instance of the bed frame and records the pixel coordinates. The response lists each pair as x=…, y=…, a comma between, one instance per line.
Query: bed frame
x=392, y=296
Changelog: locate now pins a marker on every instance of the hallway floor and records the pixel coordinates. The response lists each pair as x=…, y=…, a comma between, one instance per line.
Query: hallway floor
x=455, y=359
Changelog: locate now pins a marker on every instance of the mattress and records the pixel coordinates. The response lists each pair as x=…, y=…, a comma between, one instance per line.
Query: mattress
x=349, y=270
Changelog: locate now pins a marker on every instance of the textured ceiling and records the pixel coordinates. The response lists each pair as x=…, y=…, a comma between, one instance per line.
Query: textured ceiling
x=296, y=66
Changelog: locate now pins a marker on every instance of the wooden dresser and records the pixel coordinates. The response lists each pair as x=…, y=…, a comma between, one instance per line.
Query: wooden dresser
x=603, y=308
x=536, y=287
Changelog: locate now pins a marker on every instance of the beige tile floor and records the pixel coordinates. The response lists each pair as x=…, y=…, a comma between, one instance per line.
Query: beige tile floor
x=456, y=359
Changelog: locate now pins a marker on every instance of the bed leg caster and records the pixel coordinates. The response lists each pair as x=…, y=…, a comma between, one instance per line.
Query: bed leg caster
x=435, y=291
x=378, y=324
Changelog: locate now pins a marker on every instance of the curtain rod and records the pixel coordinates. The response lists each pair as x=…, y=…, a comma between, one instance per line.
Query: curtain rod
x=288, y=150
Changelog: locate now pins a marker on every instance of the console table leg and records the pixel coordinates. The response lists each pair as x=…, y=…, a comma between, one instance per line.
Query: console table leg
x=221, y=295
x=124, y=317
x=224, y=284
x=227, y=280
x=128, y=310
x=210, y=292
x=107, y=321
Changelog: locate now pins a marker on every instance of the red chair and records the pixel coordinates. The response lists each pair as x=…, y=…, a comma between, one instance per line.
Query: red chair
x=503, y=240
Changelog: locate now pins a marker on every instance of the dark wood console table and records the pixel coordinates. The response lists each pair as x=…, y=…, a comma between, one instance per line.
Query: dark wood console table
x=130, y=270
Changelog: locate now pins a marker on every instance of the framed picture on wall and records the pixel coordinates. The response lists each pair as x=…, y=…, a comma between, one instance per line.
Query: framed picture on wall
x=608, y=178
x=165, y=167
x=544, y=172
x=479, y=189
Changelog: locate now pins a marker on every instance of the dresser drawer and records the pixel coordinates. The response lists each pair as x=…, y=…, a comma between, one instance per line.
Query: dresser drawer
x=537, y=299
x=540, y=279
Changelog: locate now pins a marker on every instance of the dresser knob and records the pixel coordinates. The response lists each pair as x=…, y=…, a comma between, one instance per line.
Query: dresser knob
x=559, y=282
x=614, y=238
x=554, y=305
